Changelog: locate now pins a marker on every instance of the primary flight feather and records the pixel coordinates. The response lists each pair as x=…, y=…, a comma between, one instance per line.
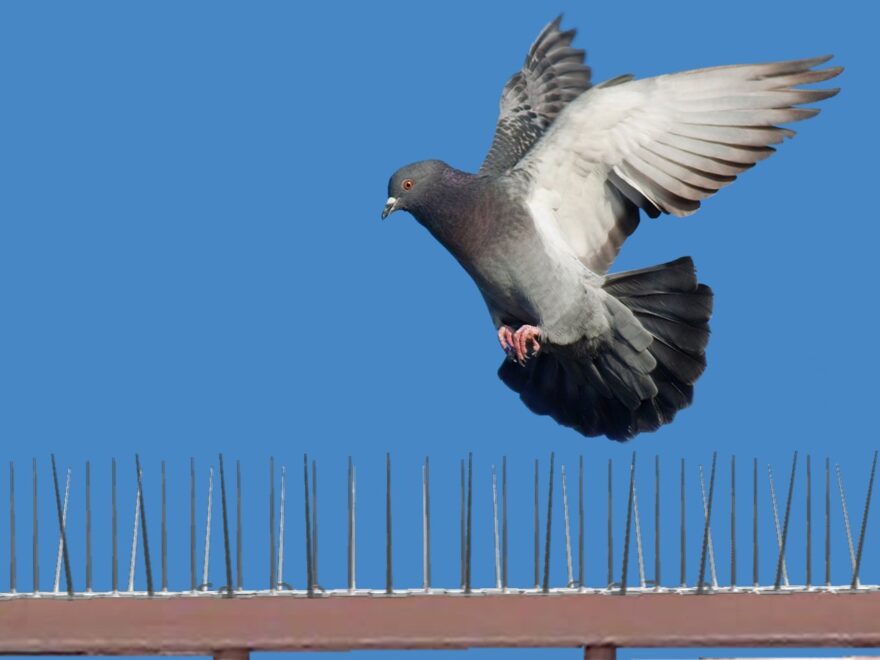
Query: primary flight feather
x=569, y=169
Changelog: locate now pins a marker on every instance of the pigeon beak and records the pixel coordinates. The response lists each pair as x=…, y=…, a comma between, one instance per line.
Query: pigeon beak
x=390, y=207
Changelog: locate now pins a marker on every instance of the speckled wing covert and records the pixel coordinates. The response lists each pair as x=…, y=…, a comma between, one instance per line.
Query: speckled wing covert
x=661, y=144
x=553, y=74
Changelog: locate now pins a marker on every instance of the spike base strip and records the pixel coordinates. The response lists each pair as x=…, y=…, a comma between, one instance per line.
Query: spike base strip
x=206, y=626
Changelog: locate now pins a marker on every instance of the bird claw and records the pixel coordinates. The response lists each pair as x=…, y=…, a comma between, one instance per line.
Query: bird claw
x=520, y=345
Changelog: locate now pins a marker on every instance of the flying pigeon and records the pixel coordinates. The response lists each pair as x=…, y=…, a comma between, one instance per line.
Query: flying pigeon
x=570, y=167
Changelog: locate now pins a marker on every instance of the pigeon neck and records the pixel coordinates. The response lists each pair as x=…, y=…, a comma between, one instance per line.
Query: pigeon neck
x=447, y=211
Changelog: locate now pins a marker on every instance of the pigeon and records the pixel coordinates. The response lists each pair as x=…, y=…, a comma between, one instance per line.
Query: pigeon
x=571, y=167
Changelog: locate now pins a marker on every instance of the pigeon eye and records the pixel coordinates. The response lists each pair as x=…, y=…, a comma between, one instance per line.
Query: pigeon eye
x=407, y=184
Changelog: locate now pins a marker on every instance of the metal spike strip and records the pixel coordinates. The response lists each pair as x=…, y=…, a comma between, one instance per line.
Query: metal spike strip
x=610, y=532
x=352, y=577
x=134, y=537
x=192, y=524
x=849, y=540
x=67, y=574
x=164, y=532
x=61, y=540
x=389, y=578
x=35, y=537
x=504, y=522
x=656, y=522
x=227, y=554
x=638, y=525
x=282, y=519
x=711, y=548
x=310, y=584
x=809, y=514
x=755, y=522
x=208, y=514
x=629, y=510
x=147, y=565
x=546, y=584
x=568, y=561
x=496, y=540
x=682, y=535
x=426, y=525
x=581, y=521
x=273, y=582
x=703, y=552
x=239, y=577
x=88, y=527
x=468, y=545
x=776, y=524
x=537, y=532
x=733, y=521
x=461, y=523
x=315, y=523
x=827, y=522
x=855, y=578
x=12, y=527
x=781, y=560
x=114, y=530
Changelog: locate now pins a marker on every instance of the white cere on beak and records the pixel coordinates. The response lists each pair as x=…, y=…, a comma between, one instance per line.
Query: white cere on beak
x=391, y=201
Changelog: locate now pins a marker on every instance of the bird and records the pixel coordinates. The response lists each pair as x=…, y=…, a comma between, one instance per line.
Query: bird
x=571, y=167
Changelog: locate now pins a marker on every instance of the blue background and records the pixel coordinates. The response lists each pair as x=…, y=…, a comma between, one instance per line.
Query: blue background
x=192, y=262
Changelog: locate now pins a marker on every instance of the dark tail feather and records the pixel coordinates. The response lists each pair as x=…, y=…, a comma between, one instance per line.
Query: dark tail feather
x=641, y=377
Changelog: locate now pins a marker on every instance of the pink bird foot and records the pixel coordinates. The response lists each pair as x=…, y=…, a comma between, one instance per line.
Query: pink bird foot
x=525, y=335
x=505, y=338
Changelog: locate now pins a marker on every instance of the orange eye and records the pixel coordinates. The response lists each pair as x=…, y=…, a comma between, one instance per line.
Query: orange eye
x=407, y=184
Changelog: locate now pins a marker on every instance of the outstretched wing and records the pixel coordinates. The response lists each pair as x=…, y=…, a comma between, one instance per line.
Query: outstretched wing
x=553, y=74
x=660, y=144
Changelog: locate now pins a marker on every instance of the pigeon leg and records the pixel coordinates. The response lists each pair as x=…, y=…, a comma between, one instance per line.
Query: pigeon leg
x=505, y=338
x=525, y=335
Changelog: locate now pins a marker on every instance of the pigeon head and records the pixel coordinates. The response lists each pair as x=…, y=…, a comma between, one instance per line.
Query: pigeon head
x=411, y=187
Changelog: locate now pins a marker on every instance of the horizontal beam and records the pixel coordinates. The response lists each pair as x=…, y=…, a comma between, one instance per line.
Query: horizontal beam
x=210, y=625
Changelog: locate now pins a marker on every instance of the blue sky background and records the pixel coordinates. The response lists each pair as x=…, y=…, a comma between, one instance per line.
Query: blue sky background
x=192, y=262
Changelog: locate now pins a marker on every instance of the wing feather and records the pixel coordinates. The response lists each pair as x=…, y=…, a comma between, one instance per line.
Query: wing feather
x=661, y=144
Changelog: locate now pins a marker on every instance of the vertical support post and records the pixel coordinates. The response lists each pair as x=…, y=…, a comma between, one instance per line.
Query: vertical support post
x=496, y=536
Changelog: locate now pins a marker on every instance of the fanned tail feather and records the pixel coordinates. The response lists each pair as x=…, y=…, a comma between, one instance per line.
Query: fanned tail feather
x=643, y=374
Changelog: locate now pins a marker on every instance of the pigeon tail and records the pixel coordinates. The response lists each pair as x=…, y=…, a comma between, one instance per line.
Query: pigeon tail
x=640, y=376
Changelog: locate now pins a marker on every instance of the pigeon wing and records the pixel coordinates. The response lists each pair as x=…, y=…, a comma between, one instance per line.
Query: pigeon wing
x=553, y=74
x=661, y=144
